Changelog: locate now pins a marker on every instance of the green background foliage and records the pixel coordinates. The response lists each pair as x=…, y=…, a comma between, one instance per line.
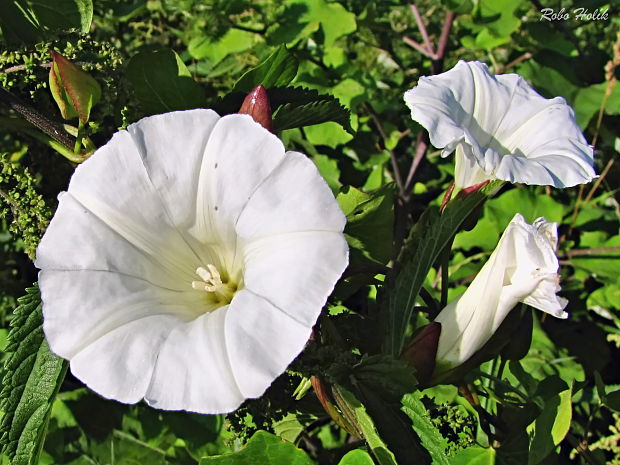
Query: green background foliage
x=335, y=72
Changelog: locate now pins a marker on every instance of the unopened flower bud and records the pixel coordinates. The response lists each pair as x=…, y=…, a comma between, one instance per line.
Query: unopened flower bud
x=422, y=350
x=256, y=104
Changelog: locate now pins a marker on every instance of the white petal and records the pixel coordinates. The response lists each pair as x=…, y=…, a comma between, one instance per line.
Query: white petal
x=261, y=340
x=171, y=147
x=94, y=303
x=193, y=369
x=294, y=198
x=296, y=272
x=77, y=239
x=501, y=124
x=522, y=268
x=119, y=364
x=239, y=156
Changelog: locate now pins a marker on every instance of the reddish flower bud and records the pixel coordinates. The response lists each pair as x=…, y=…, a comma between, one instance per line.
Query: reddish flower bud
x=422, y=351
x=256, y=104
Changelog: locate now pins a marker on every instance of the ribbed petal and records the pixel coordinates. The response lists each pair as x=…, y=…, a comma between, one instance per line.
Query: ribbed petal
x=193, y=370
x=296, y=271
x=239, y=156
x=261, y=341
x=503, y=126
x=294, y=198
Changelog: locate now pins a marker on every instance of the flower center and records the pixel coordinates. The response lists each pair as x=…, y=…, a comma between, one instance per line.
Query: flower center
x=220, y=292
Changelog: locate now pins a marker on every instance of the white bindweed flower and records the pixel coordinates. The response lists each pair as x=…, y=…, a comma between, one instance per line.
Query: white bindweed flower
x=522, y=268
x=188, y=262
x=501, y=128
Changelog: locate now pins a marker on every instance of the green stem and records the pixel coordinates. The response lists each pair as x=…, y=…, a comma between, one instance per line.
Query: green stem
x=23, y=127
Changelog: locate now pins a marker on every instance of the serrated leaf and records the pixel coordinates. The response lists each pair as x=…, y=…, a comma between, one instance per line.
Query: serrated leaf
x=356, y=413
x=262, y=449
x=162, y=82
x=74, y=90
x=293, y=115
x=278, y=70
x=431, y=438
x=32, y=377
x=427, y=240
x=387, y=377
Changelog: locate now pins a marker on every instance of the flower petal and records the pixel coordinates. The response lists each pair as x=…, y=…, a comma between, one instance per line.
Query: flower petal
x=296, y=272
x=77, y=239
x=239, y=156
x=502, y=125
x=193, y=371
x=261, y=341
x=294, y=198
x=172, y=169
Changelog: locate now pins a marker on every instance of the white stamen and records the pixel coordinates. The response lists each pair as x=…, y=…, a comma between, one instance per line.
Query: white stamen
x=212, y=282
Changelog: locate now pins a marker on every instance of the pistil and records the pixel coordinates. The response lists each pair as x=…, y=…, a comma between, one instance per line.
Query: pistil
x=212, y=283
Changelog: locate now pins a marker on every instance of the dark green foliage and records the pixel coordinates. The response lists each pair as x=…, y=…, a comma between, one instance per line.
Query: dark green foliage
x=32, y=377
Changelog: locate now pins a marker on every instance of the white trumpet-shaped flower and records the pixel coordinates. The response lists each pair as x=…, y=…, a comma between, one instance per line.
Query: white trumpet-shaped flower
x=188, y=261
x=522, y=268
x=501, y=128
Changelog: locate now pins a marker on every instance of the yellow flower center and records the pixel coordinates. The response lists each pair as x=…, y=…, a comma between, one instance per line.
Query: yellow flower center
x=220, y=292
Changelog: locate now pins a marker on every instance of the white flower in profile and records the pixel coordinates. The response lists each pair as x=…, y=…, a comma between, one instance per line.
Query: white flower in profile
x=188, y=262
x=522, y=268
x=501, y=128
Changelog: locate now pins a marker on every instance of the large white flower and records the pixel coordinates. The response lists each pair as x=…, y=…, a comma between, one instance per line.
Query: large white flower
x=188, y=262
x=522, y=268
x=501, y=128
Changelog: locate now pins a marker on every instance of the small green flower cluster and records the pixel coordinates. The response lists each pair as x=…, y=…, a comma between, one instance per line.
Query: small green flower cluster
x=21, y=205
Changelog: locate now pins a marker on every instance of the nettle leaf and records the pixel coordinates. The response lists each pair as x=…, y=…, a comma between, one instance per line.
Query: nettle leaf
x=162, y=82
x=356, y=414
x=387, y=377
x=74, y=90
x=431, y=438
x=32, y=377
x=262, y=449
x=427, y=239
x=294, y=107
x=278, y=70
x=370, y=221
x=295, y=116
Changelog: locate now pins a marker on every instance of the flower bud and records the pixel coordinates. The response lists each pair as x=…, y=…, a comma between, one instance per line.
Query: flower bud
x=256, y=104
x=522, y=268
x=422, y=350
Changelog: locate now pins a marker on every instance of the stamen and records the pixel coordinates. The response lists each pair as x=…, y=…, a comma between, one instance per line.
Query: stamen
x=212, y=282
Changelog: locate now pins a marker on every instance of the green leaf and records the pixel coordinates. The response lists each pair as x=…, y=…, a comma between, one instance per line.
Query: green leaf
x=162, y=82
x=74, y=90
x=262, y=449
x=234, y=41
x=61, y=15
x=33, y=375
x=356, y=457
x=474, y=456
x=328, y=109
x=431, y=438
x=302, y=18
x=356, y=413
x=370, y=221
x=427, y=240
x=27, y=21
x=278, y=70
x=552, y=425
x=612, y=400
x=19, y=23
x=387, y=377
